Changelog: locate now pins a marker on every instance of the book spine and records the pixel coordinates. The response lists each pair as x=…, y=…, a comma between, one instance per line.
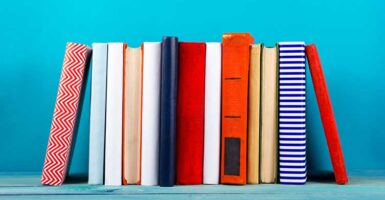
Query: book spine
x=190, y=113
x=97, y=113
x=150, y=115
x=235, y=68
x=292, y=113
x=212, y=117
x=269, y=116
x=65, y=114
x=168, y=100
x=327, y=115
x=114, y=114
x=132, y=115
x=253, y=115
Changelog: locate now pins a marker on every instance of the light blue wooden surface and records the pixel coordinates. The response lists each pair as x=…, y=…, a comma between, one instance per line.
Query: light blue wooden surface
x=28, y=187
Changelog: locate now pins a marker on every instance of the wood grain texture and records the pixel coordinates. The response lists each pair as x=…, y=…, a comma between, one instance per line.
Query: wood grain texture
x=28, y=187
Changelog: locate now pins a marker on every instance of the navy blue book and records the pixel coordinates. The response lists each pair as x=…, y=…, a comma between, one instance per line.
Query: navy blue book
x=168, y=100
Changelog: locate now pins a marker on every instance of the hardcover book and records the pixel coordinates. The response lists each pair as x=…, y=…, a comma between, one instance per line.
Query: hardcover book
x=235, y=81
x=327, y=116
x=65, y=114
x=132, y=111
x=190, y=113
x=168, y=105
x=97, y=113
x=212, y=118
x=254, y=113
x=114, y=114
x=292, y=113
x=269, y=115
x=150, y=113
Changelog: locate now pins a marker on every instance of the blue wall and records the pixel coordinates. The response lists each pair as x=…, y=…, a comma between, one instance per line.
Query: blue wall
x=349, y=34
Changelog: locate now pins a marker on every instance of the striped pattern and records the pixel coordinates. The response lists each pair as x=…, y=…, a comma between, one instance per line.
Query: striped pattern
x=292, y=107
x=64, y=117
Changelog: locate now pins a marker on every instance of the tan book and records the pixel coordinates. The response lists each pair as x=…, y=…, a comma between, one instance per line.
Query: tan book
x=269, y=115
x=132, y=115
x=254, y=113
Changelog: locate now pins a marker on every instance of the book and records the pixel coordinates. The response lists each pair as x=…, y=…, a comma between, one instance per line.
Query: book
x=97, y=113
x=168, y=100
x=235, y=79
x=190, y=113
x=327, y=116
x=253, y=114
x=212, y=117
x=292, y=113
x=132, y=111
x=65, y=114
x=150, y=113
x=114, y=114
x=269, y=115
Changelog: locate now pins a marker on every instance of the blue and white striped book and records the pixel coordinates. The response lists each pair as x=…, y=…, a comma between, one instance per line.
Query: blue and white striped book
x=292, y=108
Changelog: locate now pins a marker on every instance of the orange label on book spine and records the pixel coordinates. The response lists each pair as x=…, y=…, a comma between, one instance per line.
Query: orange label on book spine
x=235, y=77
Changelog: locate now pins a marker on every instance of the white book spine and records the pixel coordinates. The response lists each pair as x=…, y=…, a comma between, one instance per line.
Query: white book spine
x=114, y=115
x=97, y=113
x=150, y=113
x=211, y=157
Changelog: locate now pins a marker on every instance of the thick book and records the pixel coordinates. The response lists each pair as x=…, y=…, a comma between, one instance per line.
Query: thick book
x=114, y=114
x=190, y=113
x=97, y=113
x=168, y=101
x=292, y=113
x=150, y=113
x=235, y=81
x=65, y=114
x=254, y=114
x=132, y=111
x=212, y=118
x=327, y=116
x=269, y=115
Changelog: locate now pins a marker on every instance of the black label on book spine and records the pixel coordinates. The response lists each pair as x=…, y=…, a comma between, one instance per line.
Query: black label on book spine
x=232, y=156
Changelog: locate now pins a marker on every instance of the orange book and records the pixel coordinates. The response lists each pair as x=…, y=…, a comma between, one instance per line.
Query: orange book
x=235, y=79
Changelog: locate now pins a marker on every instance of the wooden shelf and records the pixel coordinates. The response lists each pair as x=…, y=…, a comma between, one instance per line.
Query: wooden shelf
x=17, y=186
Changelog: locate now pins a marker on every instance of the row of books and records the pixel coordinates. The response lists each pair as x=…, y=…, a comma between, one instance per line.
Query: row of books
x=191, y=113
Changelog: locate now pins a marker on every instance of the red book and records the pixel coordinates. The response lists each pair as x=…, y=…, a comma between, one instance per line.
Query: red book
x=235, y=87
x=327, y=116
x=190, y=113
x=64, y=117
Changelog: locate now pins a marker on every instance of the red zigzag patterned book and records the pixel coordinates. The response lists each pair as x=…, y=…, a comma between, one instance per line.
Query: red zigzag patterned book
x=190, y=113
x=64, y=117
x=327, y=116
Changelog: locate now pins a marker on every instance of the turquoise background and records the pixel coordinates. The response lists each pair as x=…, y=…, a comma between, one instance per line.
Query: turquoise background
x=349, y=35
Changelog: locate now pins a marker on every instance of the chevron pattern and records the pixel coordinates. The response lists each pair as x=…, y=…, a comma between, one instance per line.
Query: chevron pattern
x=64, y=117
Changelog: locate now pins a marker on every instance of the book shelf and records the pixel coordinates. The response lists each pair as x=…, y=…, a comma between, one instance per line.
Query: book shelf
x=27, y=186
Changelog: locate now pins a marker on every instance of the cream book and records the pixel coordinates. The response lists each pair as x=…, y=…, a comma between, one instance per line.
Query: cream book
x=212, y=117
x=269, y=115
x=254, y=113
x=132, y=115
x=114, y=115
x=150, y=113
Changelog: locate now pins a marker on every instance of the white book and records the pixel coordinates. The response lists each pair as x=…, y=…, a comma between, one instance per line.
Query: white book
x=212, y=129
x=150, y=113
x=97, y=113
x=114, y=115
